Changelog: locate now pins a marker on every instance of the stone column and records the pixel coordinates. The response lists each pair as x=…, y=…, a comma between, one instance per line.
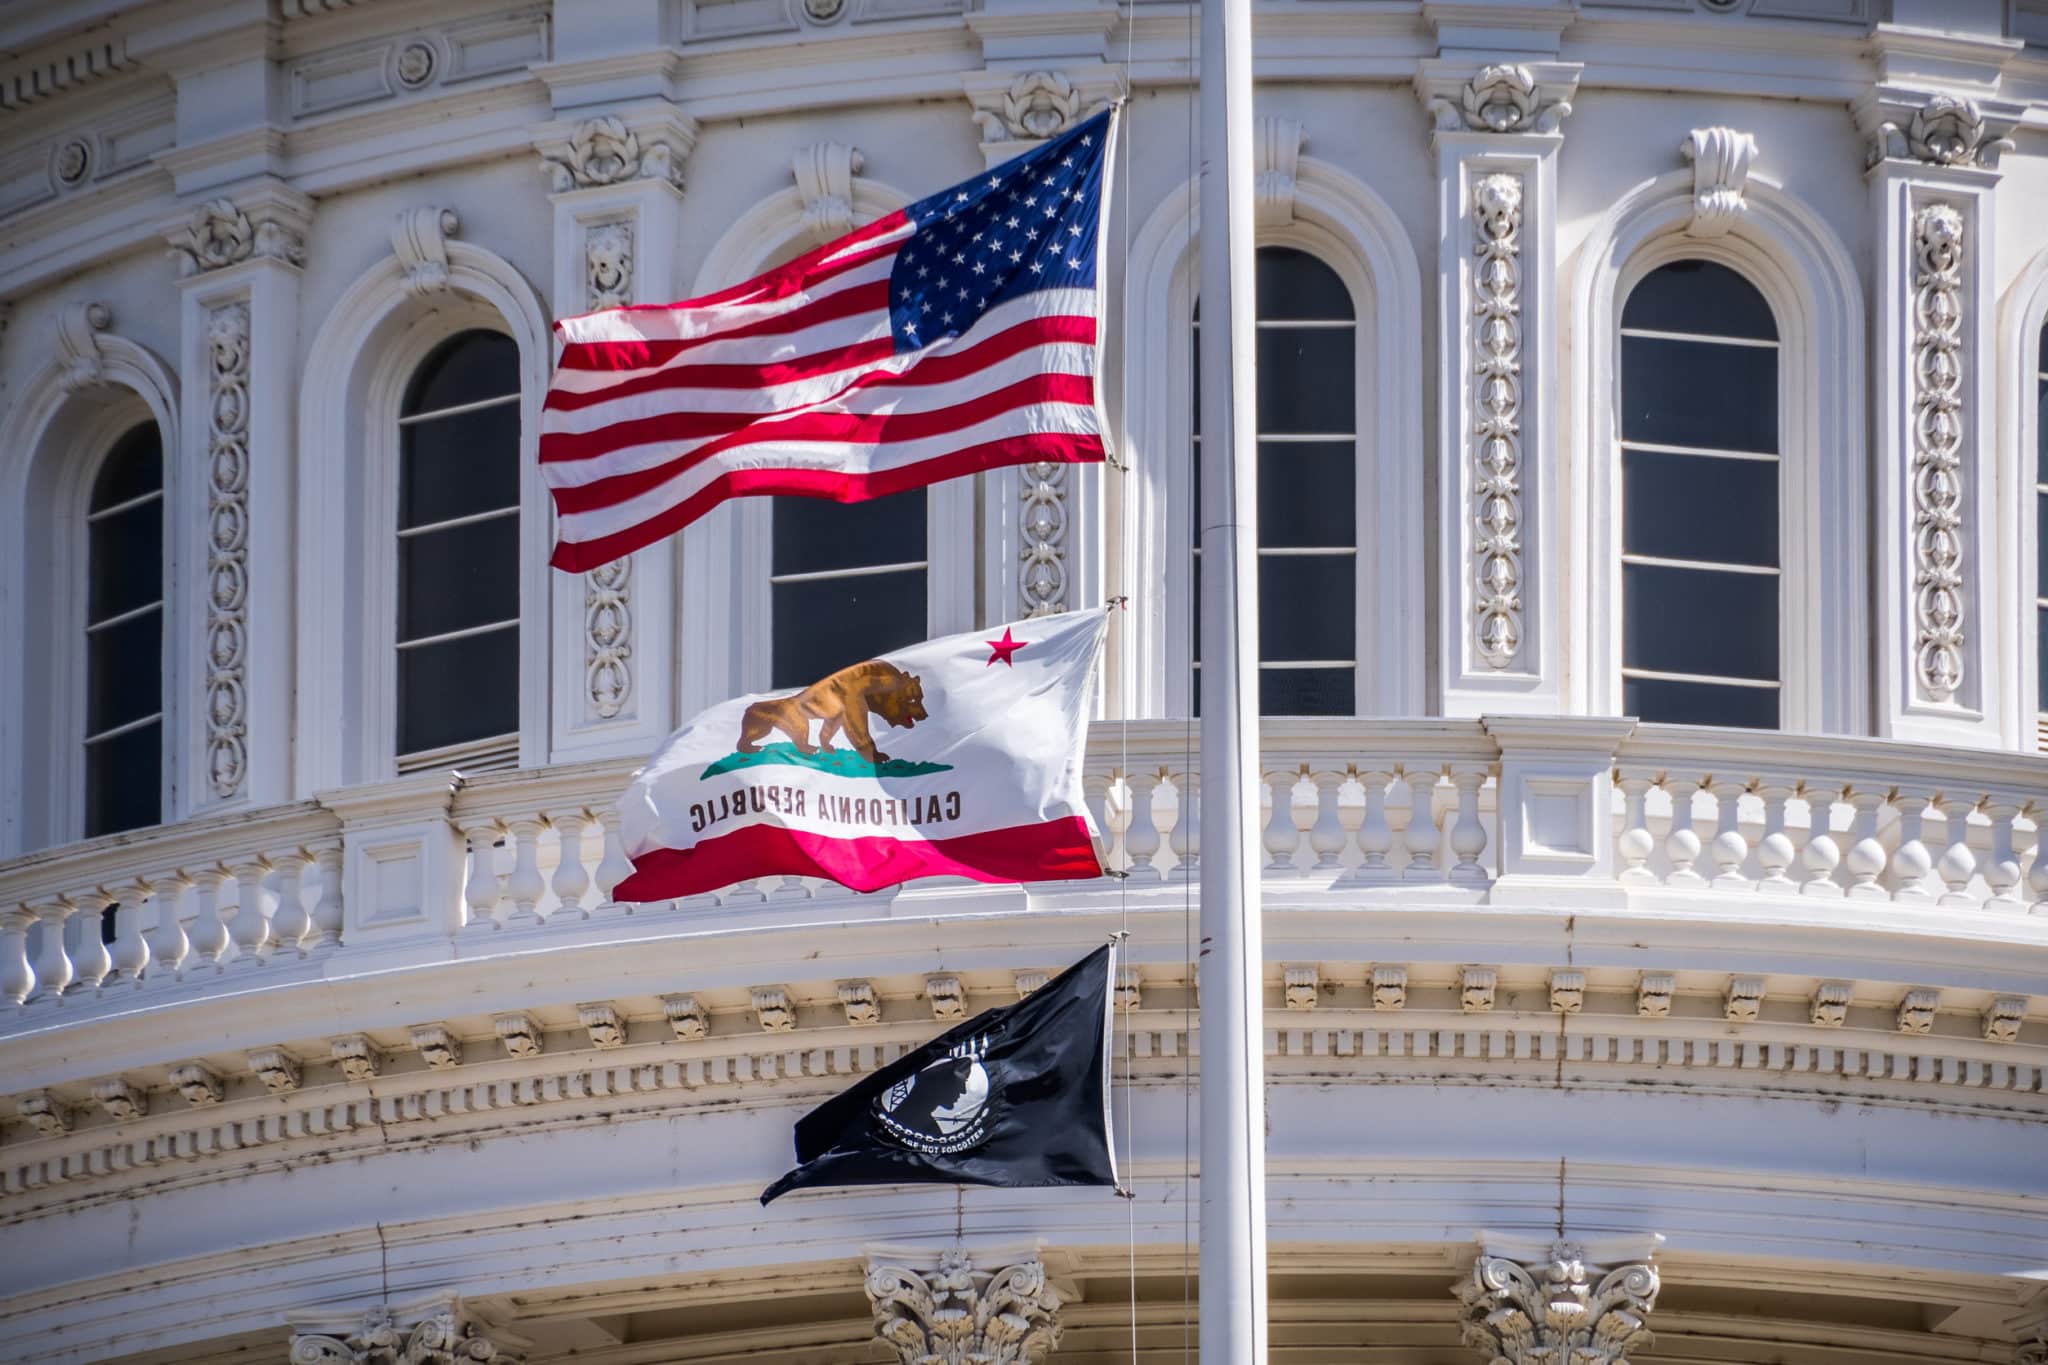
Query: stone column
x=1497, y=138
x=238, y=256
x=618, y=194
x=946, y=1311
x=1932, y=157
x=1527, y=1306
x=429, y=1331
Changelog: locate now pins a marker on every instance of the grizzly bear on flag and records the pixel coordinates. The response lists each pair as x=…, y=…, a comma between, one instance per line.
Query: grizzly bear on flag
x=842, y=701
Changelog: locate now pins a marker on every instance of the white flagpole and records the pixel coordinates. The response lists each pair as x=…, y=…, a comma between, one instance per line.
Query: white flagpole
x=1233, y=1143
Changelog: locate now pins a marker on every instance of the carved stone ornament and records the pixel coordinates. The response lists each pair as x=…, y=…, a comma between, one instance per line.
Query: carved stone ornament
x=78, y=344
x=227, y=548
x=1302, y=986
x=70, y=161
x=1129, y=994
x=1829, y=1007
x=1037, y=105
x=1745, y=999
x=219, y=234
x=358, y=1058
x=1653, y=995
x=2003, y=1017
x=685, y=1017
x=602, y=1022
x=604, y=151
x=1029, y=983
x=608, y=263
x=960, y=1315
x=439, y=1048
x=1497, y=419
x=823, y=11
x=1720, y=160
x=1917, y=1010
x=1567, y=990
x=198, y=1085
x=948, y=997
x=520, y=1035
x=608, y=637
x=43, y=1109
x=276, y=1068
x=824, y=180
x=857, y=998
x=1042, y=524
x=1948, y=130
x=1506, y=98
x=1936, y=495
x=121, y=1100
x=419, y=238
x=446, y=1335
x=1276, y=144
x=1389, y=988
x=773, y=1010
x=1559, y=1311
x=415, y=64
x=1476, y=988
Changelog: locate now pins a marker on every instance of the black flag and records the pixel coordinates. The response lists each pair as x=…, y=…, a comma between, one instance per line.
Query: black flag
x=1015, y=1096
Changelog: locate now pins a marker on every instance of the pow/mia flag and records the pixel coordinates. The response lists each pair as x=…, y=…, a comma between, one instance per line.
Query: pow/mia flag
x=1017, y=1096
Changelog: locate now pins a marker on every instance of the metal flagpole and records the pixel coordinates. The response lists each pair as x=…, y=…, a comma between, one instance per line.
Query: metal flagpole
x=1233, y=1175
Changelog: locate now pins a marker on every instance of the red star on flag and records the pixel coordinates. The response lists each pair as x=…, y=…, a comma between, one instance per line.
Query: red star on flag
x=1004, y=648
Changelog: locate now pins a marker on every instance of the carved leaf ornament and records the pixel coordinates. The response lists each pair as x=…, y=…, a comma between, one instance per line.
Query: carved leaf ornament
x=958, y=1315
x=227, y=547
x=1937, y=443
x=440, y=1339
x=1555, y=1312
x=1497, y=402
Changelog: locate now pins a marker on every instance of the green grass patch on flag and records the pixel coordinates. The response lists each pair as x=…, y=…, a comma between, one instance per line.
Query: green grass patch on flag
x=839, y=762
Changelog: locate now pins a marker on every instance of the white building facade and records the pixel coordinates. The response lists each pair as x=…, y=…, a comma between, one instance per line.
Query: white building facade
x=1652, y=498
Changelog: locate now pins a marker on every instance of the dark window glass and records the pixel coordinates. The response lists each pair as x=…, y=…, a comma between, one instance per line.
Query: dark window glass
x=1305, y=607
x=2041, y=433
x=455, y=465
x=824, y=624
x=124, y=672
x=1699, y=621
x=1295, y=287
x=127, y=554
x=1305, y=381
x=2041, y=654
x=458, y=690
x=1306, y=692
x=1699, y=297
x=2041, y=546
x=1699, y=507
x=1699, y=393
x=133, y=468
x=1691, y=703
x=124, y=782
x=814, y=535
x=1306, y=493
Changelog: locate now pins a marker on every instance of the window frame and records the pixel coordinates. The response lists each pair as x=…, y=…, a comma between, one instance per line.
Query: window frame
x=83, y=626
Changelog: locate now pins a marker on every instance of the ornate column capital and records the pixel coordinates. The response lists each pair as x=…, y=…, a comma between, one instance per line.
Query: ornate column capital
x=266, y=223
x=948, y=1311
x=614, y=149
x=1524, y=1305
x=434, y=1331
x=1507, y=97
x=1935, y=128
x=1016, y=110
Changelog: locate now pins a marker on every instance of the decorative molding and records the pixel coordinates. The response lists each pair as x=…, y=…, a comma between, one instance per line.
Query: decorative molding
x=1720, y=160
x=1559, y=1310
x=25, y=85
x=1653, y=995
x=1936, y=482
x=1505, y=98
x=219, y=234
x=1034, y=106
x=79, y=352
x=439, y=1048
x=2002, y=1018
x=771, y=1009
x=607, y=1031
x=419, y=238
x=1829, y=1007
x=198, y=1085
x=1947, y=130
x=1917, y=1011
x=46, y=1112
x=608, y=636
x=948, y=997
x=1389, y=987
x=608, y=266
x=1129, y=990
x=1476, y=989
x=356, y=1055
x=1744, y=1000
x=1302, y=986
x=227, y=548
x=1029, y=983
x=1042, y=523
x=1497, y=419
x=686, y=1017
x=438, y=1331
x=824, y=180
x=857, y=998
x=1277, y=144
x=121, y=1100
x=521, y=1036
x=276, y=1068
x=1567, y=990
x=604, y=151
x=955, y=1314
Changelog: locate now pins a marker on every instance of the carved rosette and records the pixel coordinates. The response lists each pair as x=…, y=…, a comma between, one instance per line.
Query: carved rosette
x=1507, y=98
x=1557, y=1312
x=446, y=1336
x=1042, y=582
x=958, y=1315
x=1037, y=105
x=607, y=590
x=608, y=263
x=219, y=234
x=1497, y=419
x=604, y=151
x=1948, y=130
x=1937, y=492
x=227, y=547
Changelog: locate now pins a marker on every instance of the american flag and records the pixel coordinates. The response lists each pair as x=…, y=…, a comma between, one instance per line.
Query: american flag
x=955, y=335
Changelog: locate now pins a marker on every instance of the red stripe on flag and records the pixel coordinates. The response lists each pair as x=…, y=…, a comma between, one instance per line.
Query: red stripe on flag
x=872, y=297
x=1057, y=850
x=1050, y=447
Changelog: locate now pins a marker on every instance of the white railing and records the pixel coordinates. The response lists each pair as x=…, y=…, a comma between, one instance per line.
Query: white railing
x=1351, y=808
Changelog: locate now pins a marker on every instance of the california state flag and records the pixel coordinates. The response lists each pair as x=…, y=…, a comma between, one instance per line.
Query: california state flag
x=958, y=757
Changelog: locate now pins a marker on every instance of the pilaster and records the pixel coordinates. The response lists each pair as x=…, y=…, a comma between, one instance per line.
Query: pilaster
x=1584, y=1302
x=944, y=1309
x=618, y=207
x=238, y=257
x=1942, y=667
x=1501, y=641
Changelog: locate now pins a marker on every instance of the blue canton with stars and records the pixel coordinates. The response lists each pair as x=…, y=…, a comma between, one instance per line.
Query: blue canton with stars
x=1027, y=225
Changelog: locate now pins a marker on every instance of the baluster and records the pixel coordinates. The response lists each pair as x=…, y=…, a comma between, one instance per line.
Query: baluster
x=1375, y=834
x=1327, y=836
x=614, y=867
x=1141, y=840
x=2037, y=870
x=1636, y=844
x=327, y=911
x=17, y=979
x=168, y=943
x=1282, y=835
x=1187, y=826
x=1911, y=862
x=1730, y=849
x=209, y=937
x=1958, y=862
x=91, y=962
x=1775, y=850
x=523, y=885
x=1822, y=853
x=53, y=963
x=1682, y=841
x=482, y=890
x=571, y=880
x=2002, y=869
x=1468, y=835
x=1866, y=857
x=251, y=924
x=289, y=922
x=130, y=952
x=1421, y=836
x=1095, y=790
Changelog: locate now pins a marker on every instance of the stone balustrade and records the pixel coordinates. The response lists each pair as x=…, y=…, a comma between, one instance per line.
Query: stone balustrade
x=1579, y=813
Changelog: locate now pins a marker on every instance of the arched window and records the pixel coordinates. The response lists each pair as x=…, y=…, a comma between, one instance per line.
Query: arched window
x=2041, y=537
x=124, y=637
x=1700, y=541
x=846, y=581
x=1307, y=481
x=458, y=557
